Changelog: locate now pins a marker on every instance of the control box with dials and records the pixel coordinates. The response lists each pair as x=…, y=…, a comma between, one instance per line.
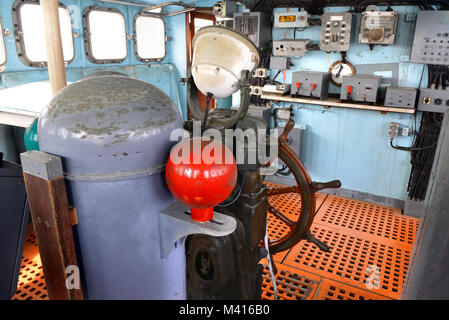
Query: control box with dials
x=335, y=31
x=290, y=47
x=299, y=19
x=400, y=97
x=256, y=26
x=378, y=27
x=364, y=88
x=310, y=84
x=431, y=39
x=433, y=100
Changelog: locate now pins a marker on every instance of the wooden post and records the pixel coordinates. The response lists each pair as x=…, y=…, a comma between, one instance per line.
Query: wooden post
x=53, y=42
x=45, y=186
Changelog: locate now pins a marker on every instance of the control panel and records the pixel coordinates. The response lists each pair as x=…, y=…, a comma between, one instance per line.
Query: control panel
x=255, y=25
x=335, y=31
x=378, y=27
x=310, y=84
x=400, y=97
x=362, y=88
x=433, y=100
x=290, y=47
x=225, y=9
x=431, y=39
x=299, y=19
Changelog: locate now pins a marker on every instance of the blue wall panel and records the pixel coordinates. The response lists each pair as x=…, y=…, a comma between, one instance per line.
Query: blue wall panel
x=353, y=145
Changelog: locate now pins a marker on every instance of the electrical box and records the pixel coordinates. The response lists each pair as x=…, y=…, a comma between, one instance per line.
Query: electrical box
x=225, y=9
x=335, y=31
x=431, y=40
x=299, y=19
x=310, y=84
x=362, y=88
x=279, y=63
x=433, y=100
x=255, y=25
x=276, y=88
x=378, y=27
x=290, y=47
x=400, y=97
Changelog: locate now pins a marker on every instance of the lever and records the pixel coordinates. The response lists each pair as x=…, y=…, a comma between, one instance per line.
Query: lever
x=317, y=186
x=313, y=86
x=320, y=244
x=288, y=127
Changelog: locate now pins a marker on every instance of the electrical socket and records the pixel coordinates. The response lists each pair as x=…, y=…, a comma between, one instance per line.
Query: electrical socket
x=393, y=130
x=405, y=132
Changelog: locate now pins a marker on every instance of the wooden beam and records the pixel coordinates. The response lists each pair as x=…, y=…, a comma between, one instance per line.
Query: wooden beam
x=45, y=186
x=53, y=42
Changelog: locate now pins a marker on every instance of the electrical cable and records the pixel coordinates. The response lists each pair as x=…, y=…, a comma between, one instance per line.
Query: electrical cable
x=236, y=198
x=208, y=98
x=410, y=148
x=270, y=266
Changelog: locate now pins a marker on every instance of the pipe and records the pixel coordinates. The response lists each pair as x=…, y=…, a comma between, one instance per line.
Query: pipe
x=53, y=42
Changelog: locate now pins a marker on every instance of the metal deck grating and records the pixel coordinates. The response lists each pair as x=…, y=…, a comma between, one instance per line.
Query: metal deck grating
x=31, y=282
x=368, y=218
x=291, y=284
x=353, y=260
x=361, y=235
x=333, y=290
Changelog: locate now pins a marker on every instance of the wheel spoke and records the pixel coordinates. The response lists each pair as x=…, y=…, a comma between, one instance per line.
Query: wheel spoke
x=276, y=191
x=280, y=215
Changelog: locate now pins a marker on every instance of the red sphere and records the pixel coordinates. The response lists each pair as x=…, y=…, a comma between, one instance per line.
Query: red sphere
x=201, y=174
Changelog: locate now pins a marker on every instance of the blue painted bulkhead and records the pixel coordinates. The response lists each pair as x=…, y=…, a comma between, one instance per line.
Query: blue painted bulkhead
x=346, y=144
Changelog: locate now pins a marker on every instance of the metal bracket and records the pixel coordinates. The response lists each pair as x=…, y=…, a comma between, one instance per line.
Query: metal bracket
x=175, y=223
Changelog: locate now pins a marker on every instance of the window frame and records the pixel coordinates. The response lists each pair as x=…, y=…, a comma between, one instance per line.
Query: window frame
x=135, y=38
x=4, y=46
x=86, y=31
x=18, y=33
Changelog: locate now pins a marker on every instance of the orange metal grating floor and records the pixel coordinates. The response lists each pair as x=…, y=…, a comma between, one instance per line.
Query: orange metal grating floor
x=370, y=252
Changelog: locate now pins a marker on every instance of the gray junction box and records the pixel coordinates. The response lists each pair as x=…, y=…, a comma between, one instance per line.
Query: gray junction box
x=400, y=97
x=254, y=25
x=364, y=88
x=310, y=84
x=431, y=40
x=433, y=100
x=335, y=31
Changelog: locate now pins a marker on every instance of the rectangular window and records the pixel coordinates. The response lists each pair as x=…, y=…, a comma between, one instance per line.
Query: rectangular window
x=31, y=37
x=106, y=30
x=149, y=38
x=2, y=46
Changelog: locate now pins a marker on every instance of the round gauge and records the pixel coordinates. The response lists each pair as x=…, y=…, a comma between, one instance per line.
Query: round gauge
x=339, y=69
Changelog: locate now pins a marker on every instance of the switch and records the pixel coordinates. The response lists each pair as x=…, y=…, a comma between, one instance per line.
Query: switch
x=298, y=84
x=349, y=91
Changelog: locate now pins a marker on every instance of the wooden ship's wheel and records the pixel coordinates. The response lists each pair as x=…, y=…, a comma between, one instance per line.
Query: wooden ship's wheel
x=299, y=223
